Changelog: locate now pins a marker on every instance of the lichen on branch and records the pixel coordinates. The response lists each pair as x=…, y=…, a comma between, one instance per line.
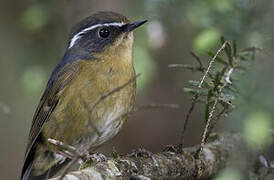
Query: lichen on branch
x=170, y=163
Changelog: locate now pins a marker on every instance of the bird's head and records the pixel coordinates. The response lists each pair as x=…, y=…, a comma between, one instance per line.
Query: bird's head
x=104, y=32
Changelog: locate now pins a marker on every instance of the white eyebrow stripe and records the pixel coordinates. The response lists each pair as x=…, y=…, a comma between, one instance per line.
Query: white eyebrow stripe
x=78, y=35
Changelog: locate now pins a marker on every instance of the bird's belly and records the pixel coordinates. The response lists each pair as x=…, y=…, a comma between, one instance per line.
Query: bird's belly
x=106, y=124
x=111, y=124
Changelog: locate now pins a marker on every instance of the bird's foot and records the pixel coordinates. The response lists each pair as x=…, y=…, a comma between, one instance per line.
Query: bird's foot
x=66, y=154
x=63, y=149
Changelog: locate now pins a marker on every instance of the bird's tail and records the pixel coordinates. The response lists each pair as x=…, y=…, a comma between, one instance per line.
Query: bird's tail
x=44, y=167
x=26, y=174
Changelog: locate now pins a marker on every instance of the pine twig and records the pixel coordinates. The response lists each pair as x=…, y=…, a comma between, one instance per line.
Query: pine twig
x=196, y=95
x=209, y=127
x=211, y=63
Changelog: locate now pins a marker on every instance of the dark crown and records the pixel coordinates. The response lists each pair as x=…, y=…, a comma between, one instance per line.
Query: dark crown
x=100, y=17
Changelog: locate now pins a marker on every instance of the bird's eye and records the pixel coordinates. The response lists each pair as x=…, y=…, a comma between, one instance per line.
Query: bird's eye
x=104, y=32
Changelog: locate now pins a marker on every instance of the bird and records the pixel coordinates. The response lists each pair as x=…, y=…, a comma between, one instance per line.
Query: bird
x=88, y=96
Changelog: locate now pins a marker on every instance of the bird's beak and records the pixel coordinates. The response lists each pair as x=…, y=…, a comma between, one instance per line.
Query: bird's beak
x=134, y=25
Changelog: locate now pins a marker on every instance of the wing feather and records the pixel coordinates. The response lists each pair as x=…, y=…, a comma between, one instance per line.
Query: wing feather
x=50, y=99
x=58, y=81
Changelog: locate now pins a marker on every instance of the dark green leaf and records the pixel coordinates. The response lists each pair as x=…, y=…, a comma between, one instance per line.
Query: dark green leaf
x=227, y=97
x=223, y=40
x=250, y=49
x=196, y=91
x=218, y=59
x=192, y=91
x=194, y=83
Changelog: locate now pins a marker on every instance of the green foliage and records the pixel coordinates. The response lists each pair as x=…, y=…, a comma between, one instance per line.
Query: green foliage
x=217, y=84
x=145, y=65
x=216, y=89
x=257, y=129
x=206, y=40
x=229, y=174
x=33, y=80
x=34, y=18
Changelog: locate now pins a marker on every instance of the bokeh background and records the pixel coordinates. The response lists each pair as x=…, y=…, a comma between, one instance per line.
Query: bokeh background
x=33, y=38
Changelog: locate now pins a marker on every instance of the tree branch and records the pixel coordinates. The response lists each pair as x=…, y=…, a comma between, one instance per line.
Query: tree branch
x=167, y=164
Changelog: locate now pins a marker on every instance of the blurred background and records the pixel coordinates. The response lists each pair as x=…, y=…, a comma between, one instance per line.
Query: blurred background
x=33, y=38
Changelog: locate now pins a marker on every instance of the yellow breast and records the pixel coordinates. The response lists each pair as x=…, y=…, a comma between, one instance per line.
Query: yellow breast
x=81, y=119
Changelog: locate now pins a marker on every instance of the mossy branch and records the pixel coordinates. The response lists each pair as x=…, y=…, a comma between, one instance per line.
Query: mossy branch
x=170, y=163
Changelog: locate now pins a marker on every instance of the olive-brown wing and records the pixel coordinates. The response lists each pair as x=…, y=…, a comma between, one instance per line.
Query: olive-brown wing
x=47, y=105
